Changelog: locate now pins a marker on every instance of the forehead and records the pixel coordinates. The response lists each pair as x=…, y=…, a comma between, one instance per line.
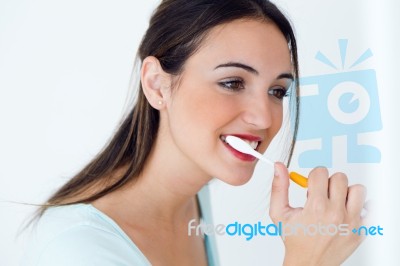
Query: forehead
x=257, y=43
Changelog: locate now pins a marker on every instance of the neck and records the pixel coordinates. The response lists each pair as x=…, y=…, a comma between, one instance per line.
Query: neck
x=165, y=190
x=169, y=182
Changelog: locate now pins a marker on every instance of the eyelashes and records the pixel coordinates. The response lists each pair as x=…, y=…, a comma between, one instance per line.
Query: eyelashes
x=234, y=84
x=278, y=92
x=238, y=84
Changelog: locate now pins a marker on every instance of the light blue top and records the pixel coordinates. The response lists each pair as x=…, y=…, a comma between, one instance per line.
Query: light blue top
x=81, y=235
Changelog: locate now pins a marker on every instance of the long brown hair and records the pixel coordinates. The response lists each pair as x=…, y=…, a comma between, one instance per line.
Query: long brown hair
x=175, y=32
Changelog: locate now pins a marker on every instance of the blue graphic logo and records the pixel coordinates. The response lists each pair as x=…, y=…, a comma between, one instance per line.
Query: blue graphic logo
x=344, y=103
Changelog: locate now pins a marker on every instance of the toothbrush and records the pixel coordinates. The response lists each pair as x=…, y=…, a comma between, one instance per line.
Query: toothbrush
x=242, y=146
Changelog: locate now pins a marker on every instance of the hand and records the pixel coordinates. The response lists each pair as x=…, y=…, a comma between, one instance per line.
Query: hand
x=329, y=202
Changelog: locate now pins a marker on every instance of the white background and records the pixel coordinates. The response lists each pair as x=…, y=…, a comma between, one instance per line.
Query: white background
x=64, y=73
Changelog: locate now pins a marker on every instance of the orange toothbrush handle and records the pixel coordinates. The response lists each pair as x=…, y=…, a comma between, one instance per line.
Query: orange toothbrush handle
x=299, y=179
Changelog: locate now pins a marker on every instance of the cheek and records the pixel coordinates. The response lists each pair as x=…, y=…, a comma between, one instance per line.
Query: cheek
x=201, y=109
x=275, y=126
x=192, y=120
x=277, y=115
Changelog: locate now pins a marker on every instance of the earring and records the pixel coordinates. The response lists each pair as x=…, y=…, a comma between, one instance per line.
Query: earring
x=160, y=102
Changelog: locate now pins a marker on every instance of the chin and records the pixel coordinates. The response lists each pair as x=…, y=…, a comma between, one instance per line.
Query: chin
x=237, y=179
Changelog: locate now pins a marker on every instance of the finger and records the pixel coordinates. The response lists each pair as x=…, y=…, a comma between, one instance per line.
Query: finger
x=318, y=183
x=367, y=212
x=337, y=190
x=355, y=200
x=279, y=193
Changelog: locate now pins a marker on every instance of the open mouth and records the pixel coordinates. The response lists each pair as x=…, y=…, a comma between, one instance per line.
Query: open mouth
x=253, y=143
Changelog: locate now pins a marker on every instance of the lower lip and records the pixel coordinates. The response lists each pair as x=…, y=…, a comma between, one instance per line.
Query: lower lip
x=240, y=155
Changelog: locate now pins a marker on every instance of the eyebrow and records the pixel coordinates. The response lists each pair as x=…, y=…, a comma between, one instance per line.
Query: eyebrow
x=286, y=76
x=252, y=70
x=239, y=65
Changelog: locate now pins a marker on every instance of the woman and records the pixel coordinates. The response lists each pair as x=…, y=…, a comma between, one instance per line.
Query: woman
x=209, y=69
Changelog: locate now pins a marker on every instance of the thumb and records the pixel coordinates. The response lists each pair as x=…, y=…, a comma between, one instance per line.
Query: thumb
x=279, y=193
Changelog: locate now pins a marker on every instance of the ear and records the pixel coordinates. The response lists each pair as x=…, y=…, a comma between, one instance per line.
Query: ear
x=155, y=82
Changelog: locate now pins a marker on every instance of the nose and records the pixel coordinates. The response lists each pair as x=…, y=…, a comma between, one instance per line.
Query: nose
x=257, y=111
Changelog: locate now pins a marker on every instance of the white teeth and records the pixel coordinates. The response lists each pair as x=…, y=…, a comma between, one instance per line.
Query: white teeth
x=253, y=144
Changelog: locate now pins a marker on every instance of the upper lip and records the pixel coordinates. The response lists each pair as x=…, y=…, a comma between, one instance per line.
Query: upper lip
x=245, y=136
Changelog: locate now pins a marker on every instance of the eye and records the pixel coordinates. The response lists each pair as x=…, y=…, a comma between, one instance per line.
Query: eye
x=235, y=84
x=278, y=92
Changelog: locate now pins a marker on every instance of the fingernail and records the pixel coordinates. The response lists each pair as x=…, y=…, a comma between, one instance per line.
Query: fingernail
x=276, y=171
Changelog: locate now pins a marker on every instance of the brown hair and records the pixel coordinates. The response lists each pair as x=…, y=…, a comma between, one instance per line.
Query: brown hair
x=175, y=32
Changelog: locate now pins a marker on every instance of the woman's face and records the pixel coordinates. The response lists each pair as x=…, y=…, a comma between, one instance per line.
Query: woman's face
x=233, y=85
